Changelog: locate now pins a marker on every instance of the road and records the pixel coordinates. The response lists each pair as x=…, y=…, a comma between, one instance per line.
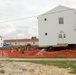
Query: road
x=49, y=59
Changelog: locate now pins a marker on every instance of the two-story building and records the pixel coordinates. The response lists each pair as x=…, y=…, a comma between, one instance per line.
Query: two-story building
x=57, y=26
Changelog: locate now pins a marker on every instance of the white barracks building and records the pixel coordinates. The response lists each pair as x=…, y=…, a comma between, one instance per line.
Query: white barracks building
x=16, y=42
x=57, y=26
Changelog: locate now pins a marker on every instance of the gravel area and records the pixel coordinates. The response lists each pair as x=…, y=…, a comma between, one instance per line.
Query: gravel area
x=26, y=68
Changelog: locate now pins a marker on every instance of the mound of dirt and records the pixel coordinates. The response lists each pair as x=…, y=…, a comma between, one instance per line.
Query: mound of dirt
x=25, y=68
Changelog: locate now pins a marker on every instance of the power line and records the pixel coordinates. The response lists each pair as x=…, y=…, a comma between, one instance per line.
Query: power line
x=19, y=19
x=36, y=16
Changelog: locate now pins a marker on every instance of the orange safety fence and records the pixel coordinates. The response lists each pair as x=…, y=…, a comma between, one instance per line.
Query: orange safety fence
x=39, y=53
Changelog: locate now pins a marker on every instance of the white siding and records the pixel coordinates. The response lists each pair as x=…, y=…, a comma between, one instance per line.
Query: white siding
x=1, y=42
x=53, y=28
x=23, y=43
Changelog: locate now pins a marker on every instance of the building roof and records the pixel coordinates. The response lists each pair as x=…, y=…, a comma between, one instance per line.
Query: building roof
x=59, y=8
x=21, y=40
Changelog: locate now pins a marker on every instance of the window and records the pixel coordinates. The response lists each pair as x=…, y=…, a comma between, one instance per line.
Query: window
x=64, y=36
x=1, y=43
x=60, y=35
x=74, y=28
x=45, y=33
x=33, y=42
x=15, y=42
x=61, y=20
x=1, y=38
x=45, y=19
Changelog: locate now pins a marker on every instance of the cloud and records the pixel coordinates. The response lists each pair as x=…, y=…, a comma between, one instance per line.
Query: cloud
x=20, y=36
x=16, y=9
x=6, y=29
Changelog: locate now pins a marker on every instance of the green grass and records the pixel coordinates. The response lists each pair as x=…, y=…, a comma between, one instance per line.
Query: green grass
x=60, y=64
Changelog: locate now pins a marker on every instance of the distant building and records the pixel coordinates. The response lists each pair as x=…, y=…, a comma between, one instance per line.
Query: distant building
x=23, y=42
x=1, y=41
x=57, y=26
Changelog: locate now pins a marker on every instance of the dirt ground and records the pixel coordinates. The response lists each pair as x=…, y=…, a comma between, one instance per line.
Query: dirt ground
x=26, y=68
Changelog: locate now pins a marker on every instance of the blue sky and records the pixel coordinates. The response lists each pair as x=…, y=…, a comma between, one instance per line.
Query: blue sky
x=17, y=9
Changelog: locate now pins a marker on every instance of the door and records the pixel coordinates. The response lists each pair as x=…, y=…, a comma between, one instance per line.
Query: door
x=62, y=38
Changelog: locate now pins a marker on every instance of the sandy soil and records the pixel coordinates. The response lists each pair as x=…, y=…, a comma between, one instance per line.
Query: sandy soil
x=25, y=68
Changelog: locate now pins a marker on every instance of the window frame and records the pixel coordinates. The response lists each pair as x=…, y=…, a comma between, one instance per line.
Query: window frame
x=60, y=36
x=33, y=42
x=61, y=20
x=45, y=34
x=45, y=19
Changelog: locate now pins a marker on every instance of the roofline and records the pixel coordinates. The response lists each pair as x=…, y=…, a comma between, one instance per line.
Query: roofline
x=56, y=12
x=21, y=40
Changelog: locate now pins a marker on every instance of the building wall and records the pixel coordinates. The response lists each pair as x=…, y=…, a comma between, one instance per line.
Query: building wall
x=22, y=43
x=52, y=27
x=1, y=42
